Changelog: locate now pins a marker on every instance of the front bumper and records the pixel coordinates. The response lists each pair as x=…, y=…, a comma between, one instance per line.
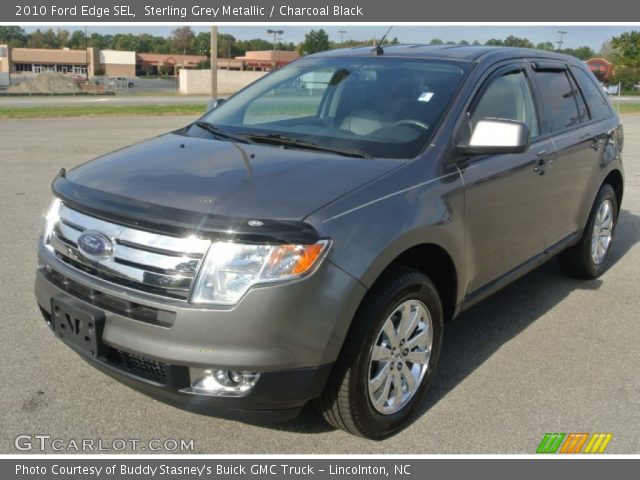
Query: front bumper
x=291, y=333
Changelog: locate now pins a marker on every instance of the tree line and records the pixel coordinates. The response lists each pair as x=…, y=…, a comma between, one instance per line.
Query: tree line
x=182, y=40
x=623, y=50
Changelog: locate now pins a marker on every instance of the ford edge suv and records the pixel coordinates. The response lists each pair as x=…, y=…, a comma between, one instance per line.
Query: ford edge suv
x=306, y=239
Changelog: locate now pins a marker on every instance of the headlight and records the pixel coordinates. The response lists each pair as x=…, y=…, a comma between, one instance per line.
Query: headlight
x=230, y=269
x=50, y=219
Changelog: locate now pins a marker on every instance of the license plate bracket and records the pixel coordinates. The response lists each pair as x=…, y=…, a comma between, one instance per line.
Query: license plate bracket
x=78, y=326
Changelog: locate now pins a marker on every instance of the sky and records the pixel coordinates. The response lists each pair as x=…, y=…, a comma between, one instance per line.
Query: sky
x=576, y=36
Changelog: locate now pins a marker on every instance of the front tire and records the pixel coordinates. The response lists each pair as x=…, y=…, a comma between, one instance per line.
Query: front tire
x=389, y=358
x=589, y=258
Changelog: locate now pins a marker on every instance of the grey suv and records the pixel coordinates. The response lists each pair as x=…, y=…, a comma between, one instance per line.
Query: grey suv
x=307, y=238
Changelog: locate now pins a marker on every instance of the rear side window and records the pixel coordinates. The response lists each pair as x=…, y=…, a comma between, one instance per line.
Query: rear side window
x=559, y=98
x=508, y=97
x=593, y=95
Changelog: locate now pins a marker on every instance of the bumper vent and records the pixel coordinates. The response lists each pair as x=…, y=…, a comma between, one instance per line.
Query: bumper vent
x=138, y=366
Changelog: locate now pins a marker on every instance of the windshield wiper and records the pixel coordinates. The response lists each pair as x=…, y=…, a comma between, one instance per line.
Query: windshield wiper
x=283, y=140
x=209, y=127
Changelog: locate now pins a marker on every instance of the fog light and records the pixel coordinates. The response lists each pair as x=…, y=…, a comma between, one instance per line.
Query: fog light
x=221, y=383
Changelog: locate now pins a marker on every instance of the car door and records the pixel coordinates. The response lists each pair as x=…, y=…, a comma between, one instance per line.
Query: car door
x=579, y=133
x=579, y=145
x=503, y=214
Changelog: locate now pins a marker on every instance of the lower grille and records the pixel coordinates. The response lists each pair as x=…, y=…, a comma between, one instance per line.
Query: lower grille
x=172, y=376
x=138, y=365
x=143, y=313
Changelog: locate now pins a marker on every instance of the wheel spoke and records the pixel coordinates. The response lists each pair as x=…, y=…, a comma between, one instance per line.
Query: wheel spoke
x=397, y=387
x=423, y=338
x=418, y=356
x=384, y=395
x=408, y=376
x=390, y=331
x=381, y=353
x=376, y=382
x=409, y=321
x=606, y=216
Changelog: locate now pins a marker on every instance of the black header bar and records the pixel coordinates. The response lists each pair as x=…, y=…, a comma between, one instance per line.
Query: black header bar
x=311, y=11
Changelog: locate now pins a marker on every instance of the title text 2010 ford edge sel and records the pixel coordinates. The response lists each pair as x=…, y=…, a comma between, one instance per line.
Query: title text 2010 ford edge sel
x=307, y=238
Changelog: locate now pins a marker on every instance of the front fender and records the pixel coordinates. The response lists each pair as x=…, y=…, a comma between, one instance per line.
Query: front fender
x=368, y=236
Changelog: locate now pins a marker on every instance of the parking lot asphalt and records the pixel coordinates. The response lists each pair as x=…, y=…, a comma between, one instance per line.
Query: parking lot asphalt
x=546, y=354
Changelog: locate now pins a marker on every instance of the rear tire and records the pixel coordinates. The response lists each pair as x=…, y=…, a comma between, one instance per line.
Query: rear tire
x=589, y=258
x=394, y=341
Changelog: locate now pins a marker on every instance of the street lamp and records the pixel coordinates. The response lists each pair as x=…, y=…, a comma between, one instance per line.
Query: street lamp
x=560, y=42
x=214, y=62
x=275, y=33
x=86, y=52
x=342, y=32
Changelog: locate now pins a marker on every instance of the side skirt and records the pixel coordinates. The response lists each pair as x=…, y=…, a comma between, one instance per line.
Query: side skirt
x=492, y=287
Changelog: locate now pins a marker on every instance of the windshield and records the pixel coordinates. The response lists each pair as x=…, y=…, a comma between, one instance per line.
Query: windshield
x=379, y=107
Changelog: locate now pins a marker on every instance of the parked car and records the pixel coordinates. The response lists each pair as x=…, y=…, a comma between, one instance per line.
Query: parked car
x=612, y=89
x=121, y=82
x=309, y=247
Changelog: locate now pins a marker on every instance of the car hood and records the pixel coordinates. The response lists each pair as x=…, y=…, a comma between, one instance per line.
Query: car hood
x=222, y=178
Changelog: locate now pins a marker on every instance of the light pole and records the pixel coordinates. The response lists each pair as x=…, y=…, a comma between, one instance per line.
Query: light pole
x=561, y=42
x=342, y=32
x=86, y=51
x=275, y=34
x=214, y=62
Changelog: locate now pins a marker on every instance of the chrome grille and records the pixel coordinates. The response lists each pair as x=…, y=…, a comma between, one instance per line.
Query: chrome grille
x=158, y=264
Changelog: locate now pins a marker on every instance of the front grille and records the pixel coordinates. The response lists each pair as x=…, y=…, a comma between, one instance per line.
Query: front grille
x=143, y=313
x=138, y=365
x=153, y=263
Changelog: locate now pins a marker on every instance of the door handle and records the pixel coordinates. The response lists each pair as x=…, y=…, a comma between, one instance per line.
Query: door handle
x=544, y=161
x=541, y=165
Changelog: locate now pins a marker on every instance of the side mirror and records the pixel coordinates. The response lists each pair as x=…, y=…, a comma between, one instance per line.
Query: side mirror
x=215, y=103
x=494, y=136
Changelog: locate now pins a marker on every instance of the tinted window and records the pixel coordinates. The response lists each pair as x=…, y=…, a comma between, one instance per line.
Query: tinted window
x=592, y=94
x=559, y=98
x=509, y=97
x=582, y=106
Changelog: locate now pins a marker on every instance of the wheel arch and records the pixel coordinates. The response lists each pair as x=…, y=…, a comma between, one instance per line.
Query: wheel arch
x=614, y=178
x=436, y=263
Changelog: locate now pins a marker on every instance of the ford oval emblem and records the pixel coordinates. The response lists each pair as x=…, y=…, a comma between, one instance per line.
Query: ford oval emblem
x=94, y=244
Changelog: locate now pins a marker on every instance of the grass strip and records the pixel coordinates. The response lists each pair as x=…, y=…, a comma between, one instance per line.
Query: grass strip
x=61, y=111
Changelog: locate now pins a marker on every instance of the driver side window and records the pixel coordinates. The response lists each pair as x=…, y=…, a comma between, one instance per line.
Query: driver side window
x=509, y=97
